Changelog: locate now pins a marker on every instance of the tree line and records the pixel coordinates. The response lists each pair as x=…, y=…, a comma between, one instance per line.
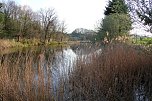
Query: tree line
x=119, y=17
x=21, y=22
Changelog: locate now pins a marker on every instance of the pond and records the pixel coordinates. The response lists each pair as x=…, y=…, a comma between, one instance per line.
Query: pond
x=65, y=73
x=50, y=64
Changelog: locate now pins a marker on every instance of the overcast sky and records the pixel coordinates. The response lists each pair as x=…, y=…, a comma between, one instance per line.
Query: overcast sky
x=75, y=13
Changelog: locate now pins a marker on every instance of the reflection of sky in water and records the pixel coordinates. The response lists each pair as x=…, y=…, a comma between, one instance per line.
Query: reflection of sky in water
x=140, y=94
x=58, y=65
x=62, y=66
x=64, y=62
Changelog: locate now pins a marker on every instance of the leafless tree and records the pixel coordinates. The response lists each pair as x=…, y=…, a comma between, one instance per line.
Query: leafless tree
x=8, y=9
x=141, y=12
x=22, y=22
x=63, y=27
x=48, y=19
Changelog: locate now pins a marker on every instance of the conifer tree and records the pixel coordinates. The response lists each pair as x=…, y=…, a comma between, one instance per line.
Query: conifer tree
x=116, y=6
x=117, y=21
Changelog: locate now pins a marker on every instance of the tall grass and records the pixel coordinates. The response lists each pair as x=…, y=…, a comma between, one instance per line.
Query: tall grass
x=22, y=78
x=119, y=73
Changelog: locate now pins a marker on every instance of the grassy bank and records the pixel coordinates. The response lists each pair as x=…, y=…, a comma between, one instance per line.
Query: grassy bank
x=10, y=43
x=143, y=41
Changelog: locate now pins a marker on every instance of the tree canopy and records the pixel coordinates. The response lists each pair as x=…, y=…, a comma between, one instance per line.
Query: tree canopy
x=115, y=25
x=117, y=21
x=116, y=6
x=22, y=22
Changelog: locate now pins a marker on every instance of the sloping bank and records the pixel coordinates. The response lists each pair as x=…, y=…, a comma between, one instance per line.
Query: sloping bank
x=4, y=44
x=7, y=43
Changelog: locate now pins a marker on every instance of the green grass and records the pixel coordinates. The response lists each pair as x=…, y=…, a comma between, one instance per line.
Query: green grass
x=31, y=42
x=11, y=43
x=143, y=41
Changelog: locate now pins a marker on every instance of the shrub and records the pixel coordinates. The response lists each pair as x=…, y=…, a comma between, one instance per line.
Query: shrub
x=114, y=25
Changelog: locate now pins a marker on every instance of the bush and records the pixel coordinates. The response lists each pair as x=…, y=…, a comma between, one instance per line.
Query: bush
x=115, y=25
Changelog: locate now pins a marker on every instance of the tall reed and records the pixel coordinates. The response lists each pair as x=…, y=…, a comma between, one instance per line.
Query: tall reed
x=119, y=73
x=22, y=77
x=115, y=73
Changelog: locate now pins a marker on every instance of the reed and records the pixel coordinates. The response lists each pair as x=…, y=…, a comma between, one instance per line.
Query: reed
x=119, y=73
x=21, y=79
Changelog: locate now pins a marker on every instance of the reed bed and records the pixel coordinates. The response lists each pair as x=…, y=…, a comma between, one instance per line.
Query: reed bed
x=22, y=78
x=115, y=73
x=118, y=73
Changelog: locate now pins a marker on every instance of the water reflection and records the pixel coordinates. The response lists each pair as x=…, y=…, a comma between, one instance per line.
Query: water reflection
x=74, y=73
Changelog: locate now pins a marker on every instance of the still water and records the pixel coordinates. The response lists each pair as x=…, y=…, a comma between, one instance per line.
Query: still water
x=50, y=74
x=51, y=65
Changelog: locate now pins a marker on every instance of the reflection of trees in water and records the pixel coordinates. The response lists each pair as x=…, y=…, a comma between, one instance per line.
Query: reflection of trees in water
x=85, y=48
x=28, y=74
x=40, y=74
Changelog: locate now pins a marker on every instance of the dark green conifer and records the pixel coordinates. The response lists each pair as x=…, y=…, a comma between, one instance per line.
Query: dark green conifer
x=116, y=6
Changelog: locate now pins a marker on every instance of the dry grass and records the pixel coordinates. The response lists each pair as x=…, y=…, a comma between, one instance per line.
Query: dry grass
x=22, y=79
x=119, y=73
x=7, y=43
x=116, y=74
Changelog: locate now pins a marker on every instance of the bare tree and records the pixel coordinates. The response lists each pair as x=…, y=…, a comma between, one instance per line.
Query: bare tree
x=22, y=22
x=48, y=18
x=63, y=27
x=25, y=20
x=35, y=26
x=62, y=30
x=8, y=9
x=141, y=12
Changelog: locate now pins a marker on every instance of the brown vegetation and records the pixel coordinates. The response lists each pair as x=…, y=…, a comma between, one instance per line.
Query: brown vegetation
x=9, y=44
x=22, y=79
x=119, y=73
